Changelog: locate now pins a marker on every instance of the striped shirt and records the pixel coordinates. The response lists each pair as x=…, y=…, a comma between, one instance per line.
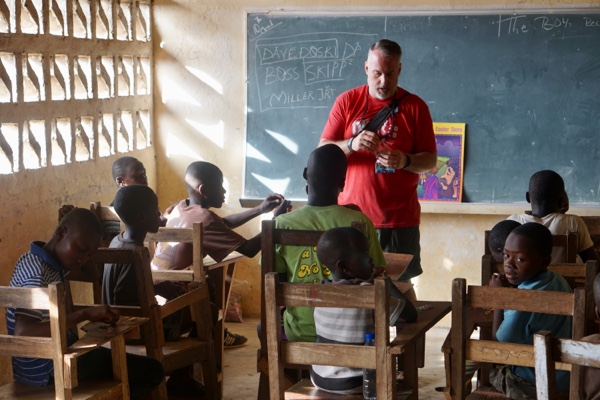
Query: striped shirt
x=36, y=268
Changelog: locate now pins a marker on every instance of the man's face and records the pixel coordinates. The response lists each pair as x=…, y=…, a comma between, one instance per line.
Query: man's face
x=382, y=75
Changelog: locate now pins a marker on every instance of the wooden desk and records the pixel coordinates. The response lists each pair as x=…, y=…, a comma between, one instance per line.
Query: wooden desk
x=408, y=337
x=221, y=273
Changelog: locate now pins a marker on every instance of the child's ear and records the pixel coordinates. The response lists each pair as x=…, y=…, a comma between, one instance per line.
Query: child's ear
x=60, y=233
x=546, y=260
x=342, y=267
x=527, y=197
x=304, y=174
x=119, y=181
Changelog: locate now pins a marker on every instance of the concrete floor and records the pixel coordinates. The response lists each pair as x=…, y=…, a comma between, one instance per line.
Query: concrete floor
x=241, y=378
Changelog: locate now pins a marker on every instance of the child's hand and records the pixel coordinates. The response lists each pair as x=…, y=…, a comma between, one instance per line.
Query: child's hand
x=499, y=280
x=62, y=211
x=105, y=314
x=284, y=207
x=270, y=202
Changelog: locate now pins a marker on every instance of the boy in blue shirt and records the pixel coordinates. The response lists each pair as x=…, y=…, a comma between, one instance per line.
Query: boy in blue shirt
x=527, y=254
x=75, y=239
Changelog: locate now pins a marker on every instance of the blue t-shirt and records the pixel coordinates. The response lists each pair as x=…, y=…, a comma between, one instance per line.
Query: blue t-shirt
x=519, y=327
x=36, y=268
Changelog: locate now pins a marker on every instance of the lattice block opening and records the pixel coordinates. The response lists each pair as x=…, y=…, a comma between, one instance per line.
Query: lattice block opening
x=84, y=138
x=142, y=138
x=106, y=135
x=34, y=144
x=8, y=78
x=33, y=78
x=81, y=19
x=7, y=16
x=31, y=16
x=9, y=148
x=82, y=74
x=125, y=75
x=104, y=21
x=142, y=75
x=124, y=21
x=62, y=141
x=60, y=79
x=142, y=28
x=125, y=132
x=58, y=18
x=105, y=76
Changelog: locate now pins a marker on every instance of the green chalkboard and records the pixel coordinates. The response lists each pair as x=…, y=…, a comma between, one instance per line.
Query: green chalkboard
x=527, y=85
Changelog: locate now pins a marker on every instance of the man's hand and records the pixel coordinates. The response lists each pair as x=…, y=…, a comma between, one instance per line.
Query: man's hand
x=392, y=158
x=284, y=207
x=366, y=140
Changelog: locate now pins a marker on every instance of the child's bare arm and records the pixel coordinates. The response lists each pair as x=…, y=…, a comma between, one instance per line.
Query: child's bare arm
x=29, y=326
x=498, y=280
x=250, y=247
x=184, y=256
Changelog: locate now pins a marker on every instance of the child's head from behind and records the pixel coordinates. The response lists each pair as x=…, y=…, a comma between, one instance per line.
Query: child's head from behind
x=204, y=182
x=129, y=171
x=527, y=252
x=76, y=238
x=325, y=171
x=137, y=206
x=547, y=188
x=498, y=236
x=345, y=251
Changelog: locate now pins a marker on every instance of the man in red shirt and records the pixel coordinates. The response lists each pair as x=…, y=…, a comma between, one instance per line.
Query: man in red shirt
x=384, y=163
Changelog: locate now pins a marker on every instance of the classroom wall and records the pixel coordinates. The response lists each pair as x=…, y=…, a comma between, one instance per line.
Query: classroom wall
x=199, y=109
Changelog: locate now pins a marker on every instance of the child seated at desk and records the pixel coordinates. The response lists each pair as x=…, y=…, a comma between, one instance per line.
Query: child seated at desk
x=204, y=182
x=75, y=239
x=498, y=236
x=547, y=197
x=345, y=251
x=137, y=206
x=527, y=254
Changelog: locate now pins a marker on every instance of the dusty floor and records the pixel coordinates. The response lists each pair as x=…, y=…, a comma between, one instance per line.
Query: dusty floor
x=241, y=378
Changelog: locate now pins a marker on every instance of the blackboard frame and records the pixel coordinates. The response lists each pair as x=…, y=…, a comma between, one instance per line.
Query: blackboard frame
x=488, y=206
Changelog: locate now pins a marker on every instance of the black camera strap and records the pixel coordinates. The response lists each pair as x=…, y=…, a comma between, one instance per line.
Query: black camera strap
x=379, y=119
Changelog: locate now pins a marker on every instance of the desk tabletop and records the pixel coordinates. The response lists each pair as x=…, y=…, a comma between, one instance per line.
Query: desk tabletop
x=430, y=314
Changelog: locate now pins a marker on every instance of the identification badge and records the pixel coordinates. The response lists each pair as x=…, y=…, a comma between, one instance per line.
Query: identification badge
x=380, y=169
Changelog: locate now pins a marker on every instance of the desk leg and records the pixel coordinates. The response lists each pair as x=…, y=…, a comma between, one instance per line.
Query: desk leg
x=222, y=278
x=411, y=370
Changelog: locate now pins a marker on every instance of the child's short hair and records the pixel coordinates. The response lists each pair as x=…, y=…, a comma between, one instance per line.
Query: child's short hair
x=546, y=186
x=337, y=244
x=326, y=167
x=539, y=236
x=200, y=172
x=119, y=167
x=81, y=219
x=129, y=200
x=500, y=232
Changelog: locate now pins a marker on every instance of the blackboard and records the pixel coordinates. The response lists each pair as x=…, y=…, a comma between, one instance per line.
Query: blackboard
x=527, y=85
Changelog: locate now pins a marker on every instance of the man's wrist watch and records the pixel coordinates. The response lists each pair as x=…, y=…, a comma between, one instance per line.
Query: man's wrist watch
x=408, y=160
x=349, y=144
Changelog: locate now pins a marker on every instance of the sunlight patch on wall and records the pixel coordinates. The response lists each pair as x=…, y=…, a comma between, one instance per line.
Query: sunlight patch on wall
x=173, y=93
x=448, y=264
x=175, y=147
x=216, y=133
x=204, y=77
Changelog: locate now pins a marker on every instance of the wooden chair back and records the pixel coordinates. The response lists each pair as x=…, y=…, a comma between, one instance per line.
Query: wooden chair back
x=66, y=386
x=553, y=354
x=487, y=351
x=283, y=353
x=568, y=241
x=593, y=226
x=173, y=355
x=197, y=272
